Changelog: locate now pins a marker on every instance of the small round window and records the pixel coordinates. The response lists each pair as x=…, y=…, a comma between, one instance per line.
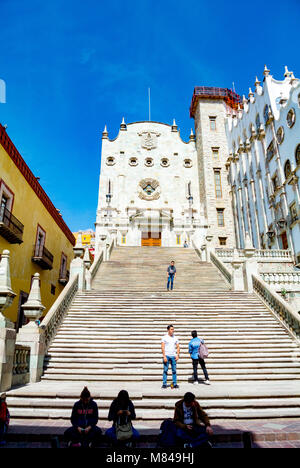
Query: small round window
x=187, y=163
x=165, y=162
x=110, y=161
x=291, y=118
x=287, y=169
x=297, y=155
x=133, y=161
x=149, y=162
x=280, y=135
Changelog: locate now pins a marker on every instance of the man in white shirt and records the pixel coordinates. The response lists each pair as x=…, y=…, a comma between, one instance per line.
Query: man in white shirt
x=170, y=350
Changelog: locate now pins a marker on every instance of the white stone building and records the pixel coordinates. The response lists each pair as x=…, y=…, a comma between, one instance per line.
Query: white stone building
x=149, y=187
x=264, y=162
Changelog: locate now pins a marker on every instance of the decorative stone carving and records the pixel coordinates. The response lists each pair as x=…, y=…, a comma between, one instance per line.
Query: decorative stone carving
x=149, y=140
x=149, y=189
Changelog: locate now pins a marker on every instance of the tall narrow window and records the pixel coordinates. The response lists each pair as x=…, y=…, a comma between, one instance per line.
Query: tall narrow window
x=213, y=123
x=220, y=216
x=218, y=186
x=215, y=153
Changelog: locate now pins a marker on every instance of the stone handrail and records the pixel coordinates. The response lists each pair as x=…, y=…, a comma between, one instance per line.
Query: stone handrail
x=111, y=247
x=291, y=278
x=21, y=360
x=221, y=267
x=277, y=305
x=96, y=264
x=274, y=253
x=260, y=255
x=58, y=310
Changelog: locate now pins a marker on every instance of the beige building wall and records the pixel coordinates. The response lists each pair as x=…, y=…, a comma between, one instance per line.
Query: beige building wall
x=208, y=140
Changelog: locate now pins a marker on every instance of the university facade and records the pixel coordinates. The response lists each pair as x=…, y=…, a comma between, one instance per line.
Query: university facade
x=236, y=174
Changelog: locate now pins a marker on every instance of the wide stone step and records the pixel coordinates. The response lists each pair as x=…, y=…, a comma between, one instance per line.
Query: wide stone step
x=145, y=403
x=52, y=364
x=117, y=377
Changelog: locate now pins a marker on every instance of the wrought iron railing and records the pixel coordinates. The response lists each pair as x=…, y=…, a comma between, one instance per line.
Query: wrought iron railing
x=40, y=252
x=11, y=222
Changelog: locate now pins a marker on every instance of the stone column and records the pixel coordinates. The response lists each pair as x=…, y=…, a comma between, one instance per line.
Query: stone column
x=250, y=265
x=237, y=275
x=7, y=332
x=209, y=247
x=31, y=334
x=77, y=266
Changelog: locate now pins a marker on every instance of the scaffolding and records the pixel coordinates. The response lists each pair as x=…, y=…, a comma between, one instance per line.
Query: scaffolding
x=232, y=99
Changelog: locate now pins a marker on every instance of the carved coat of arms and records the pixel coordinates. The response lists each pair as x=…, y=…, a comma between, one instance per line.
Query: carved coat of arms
x=149, y=140
x=149, y=189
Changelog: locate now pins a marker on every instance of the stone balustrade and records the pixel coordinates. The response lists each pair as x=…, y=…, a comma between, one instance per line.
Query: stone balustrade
x=21, y=365
x=261, y=255
x=221, y=267
x=58, y=310
x=282, y=279
x=96, y=264
x=277, y=305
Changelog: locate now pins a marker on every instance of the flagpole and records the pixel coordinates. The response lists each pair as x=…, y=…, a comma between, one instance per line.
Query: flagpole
x=149, y=104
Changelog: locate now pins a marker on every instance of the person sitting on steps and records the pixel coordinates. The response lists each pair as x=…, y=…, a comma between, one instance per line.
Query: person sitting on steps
x=84, y=431
x=122, y=413
x=188, y=417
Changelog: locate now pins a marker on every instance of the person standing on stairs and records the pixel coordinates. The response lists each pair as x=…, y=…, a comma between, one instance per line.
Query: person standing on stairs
x=194, y=346
x=171, y=274
x=170, y=350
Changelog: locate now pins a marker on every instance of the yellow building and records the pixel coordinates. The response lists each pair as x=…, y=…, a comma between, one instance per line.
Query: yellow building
x=88, y=238
x=33, y=230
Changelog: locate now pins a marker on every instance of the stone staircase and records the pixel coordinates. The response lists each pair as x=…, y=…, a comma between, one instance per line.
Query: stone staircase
x=110, y=339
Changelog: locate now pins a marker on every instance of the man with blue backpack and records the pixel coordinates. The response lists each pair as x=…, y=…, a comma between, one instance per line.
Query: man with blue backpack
x=197, y=351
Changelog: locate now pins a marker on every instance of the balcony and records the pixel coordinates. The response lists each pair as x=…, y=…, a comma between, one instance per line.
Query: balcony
x=64, y=277
x=10, y=227
x=42, y=257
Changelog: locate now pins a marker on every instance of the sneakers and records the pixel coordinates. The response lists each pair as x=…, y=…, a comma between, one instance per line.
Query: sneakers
x=195, y=382
x=207, y=382
x=163, y=386
x=176, y=386
x=74, y=444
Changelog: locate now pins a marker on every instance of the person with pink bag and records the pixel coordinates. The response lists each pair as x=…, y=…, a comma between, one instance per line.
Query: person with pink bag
x=198, y=352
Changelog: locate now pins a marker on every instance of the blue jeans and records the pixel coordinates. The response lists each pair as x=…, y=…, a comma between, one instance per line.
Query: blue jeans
x=170, y=279
x=171, y=360
x=196, y=437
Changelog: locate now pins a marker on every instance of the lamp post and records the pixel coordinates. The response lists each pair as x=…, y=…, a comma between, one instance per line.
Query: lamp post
x=190, y=200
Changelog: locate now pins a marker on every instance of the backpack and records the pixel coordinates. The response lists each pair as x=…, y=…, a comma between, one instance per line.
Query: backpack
x=203, y=351
x=167, y=434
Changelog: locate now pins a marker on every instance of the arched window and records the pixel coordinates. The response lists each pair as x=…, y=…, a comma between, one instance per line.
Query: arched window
x=257, y=122
x=287, y=169
x=297, y=155
x=266, y=113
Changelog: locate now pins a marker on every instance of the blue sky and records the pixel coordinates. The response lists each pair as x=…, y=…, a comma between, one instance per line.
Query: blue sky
x=71, y=67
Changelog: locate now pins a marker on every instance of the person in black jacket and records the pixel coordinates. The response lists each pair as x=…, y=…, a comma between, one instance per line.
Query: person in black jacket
x=84, y=431
x=121, y=412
